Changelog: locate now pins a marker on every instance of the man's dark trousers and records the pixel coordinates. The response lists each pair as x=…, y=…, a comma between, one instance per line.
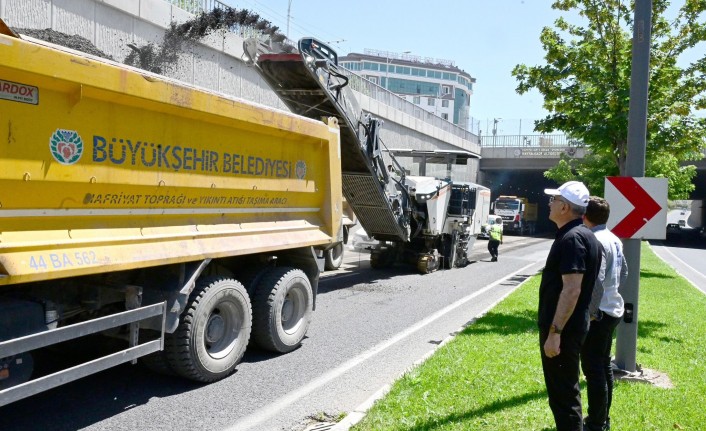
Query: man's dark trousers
x=561, y=375
x=493, y=248
x=595, y=363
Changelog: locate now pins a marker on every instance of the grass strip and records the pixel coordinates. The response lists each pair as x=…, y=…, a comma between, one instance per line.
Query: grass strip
x=489, y=377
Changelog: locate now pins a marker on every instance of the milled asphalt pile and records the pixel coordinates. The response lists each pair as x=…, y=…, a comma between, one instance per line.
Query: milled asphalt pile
x=74, y=42
x=178, y=37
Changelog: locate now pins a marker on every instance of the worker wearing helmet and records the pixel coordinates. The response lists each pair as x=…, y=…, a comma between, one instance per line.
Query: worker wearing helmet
x=496, y=238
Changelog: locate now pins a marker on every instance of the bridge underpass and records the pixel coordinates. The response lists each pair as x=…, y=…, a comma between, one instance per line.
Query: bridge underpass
x=519, y=171
x=522, y=183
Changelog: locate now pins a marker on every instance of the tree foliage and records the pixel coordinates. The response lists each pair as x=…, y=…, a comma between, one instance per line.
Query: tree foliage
x=586, y=87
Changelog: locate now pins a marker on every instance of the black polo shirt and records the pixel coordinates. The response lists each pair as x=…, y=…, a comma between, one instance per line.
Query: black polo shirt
x=575, y=250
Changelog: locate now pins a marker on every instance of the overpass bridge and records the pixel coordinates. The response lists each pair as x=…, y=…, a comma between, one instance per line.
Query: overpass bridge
x=515, y=165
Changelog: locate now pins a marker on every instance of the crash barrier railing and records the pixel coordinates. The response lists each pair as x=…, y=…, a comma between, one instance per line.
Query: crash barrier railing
x=14, y=348
x=376, y=92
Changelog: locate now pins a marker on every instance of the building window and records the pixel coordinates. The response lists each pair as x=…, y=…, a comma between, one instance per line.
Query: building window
x=417, y=100
x=445, y=116
x=373, y=79
x=444, y=103
x=431, y=101
x=446, y=89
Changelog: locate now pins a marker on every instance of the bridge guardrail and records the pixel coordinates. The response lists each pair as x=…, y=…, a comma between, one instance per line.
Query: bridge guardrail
x=374, y=91
x=537, y=140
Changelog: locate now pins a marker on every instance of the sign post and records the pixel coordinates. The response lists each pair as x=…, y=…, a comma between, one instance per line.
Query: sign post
x=626, y=345
x=638, y=210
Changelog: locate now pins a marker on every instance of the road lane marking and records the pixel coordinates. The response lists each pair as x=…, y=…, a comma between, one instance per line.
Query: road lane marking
x=667, y=250
x=272, y=409
x=357, y=414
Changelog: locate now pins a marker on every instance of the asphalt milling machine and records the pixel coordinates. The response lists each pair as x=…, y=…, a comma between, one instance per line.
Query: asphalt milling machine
x=422, y=220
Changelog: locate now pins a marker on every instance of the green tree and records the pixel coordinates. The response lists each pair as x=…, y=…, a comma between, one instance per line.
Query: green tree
x=586, y=87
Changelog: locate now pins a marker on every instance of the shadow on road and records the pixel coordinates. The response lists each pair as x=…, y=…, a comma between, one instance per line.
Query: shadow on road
x=91, y=400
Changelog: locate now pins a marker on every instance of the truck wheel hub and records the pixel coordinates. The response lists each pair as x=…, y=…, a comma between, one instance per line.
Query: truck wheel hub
x=215, y=328
x=287, y=310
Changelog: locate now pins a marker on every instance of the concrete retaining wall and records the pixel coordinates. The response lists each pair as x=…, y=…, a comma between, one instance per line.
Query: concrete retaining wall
x=113, y=24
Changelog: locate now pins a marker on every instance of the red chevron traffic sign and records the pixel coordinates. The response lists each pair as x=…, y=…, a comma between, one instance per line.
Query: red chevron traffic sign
x=638, y=207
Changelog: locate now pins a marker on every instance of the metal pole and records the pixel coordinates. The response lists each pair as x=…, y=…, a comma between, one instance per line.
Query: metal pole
x=387, y=73
x=626, y=344
x=289, y=10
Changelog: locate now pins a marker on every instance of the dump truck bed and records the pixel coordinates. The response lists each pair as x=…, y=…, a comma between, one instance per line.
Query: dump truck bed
x=105, y=167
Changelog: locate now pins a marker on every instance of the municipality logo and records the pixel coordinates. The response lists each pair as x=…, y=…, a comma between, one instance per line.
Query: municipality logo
x=66, y=146
x=300, y=169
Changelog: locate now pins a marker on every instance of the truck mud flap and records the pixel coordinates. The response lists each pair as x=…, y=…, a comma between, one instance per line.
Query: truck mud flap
x=55, y=336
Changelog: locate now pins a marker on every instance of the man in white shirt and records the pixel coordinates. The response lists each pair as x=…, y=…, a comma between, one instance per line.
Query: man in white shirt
x=606, y=310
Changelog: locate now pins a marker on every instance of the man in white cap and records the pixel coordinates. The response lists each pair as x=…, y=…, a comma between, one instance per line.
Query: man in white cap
x=568, y=279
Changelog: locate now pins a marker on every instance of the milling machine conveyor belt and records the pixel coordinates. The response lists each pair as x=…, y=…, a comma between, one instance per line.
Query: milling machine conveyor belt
x=312, y=87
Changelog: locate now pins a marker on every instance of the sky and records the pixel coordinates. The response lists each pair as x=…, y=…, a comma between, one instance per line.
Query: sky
x=485, y=38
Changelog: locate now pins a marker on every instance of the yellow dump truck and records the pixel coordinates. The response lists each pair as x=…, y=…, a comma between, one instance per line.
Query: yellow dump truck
x=182, y=221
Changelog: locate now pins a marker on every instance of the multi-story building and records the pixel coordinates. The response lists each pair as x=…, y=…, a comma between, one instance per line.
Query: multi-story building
x=437, y=86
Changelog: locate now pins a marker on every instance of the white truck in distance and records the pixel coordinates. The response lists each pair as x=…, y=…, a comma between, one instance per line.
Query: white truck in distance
x=519, y=216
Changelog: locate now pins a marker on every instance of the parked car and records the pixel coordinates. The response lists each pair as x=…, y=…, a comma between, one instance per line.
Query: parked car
x=673, y=232
x=361, y=242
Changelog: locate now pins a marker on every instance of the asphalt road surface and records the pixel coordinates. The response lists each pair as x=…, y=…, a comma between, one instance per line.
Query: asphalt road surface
x=687, y=258
x=369, y=327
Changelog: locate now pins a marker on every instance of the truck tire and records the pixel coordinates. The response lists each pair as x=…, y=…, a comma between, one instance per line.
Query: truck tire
x=213, y=331
x=334, y=257
x=282, y=309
